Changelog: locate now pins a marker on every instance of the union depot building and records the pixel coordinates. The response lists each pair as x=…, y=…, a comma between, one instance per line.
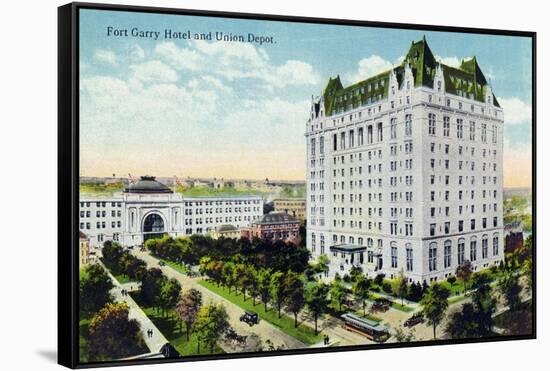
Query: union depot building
x=149, y=208
x=404, y=170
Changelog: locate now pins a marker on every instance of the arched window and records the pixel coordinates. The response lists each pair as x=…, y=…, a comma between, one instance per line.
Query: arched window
x=313, y=242
x=473, y=249
x=409, y=256
x=447, y=253
x=461, y=251
x=495, y=244
x=484, y=246
x=369, y=243
x=432, y=257
x=393, y=246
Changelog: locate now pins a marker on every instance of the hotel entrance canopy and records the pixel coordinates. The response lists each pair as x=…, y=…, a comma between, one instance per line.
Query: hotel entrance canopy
x=347, y=248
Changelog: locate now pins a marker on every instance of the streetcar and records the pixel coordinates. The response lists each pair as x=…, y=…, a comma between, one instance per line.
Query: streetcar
x=372, y=330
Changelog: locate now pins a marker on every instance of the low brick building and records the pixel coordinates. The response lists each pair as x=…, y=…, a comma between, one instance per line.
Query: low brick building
x=273, y=226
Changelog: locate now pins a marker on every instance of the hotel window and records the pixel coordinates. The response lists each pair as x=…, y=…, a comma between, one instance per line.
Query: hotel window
x=446, y=126
x=431, y=123
x=432, y=229
x=334, y=143
x=351, y=138
x=408, y=125
x=459, y=128
x=460, y=223
x=393, y=128
x=447, y=254
x=432, y=259
x=393, y=254
x=473, y=249
x=495, y=245
x=484, y=247
x=313, y=242
x=447, y=227
x=461, y=248
x=342, y=140
x=360, y=138
x=484, y=133
x=380, y=136
x=321, y=145
x=472, y=224
x=409, y=252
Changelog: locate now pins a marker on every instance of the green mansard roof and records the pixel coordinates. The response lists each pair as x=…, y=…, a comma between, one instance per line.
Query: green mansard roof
x=467, y=80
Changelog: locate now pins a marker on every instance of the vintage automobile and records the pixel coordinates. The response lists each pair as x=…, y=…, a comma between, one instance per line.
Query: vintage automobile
x=414, y=320
x=381, y=305
x=249, y=317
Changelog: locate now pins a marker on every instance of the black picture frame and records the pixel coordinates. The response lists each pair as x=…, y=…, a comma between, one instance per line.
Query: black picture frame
x=68, y=176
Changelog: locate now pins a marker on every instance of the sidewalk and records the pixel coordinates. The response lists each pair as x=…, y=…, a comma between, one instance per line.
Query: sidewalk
x=155, y=342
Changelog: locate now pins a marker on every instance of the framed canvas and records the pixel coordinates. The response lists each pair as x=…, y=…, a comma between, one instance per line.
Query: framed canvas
x=238, y=185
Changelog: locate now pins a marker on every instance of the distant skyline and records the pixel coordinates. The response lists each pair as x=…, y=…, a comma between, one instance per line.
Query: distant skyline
x=238, y=110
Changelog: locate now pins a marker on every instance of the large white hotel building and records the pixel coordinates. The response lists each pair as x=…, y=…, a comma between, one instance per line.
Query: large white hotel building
x=404, y=170
x=148, y=208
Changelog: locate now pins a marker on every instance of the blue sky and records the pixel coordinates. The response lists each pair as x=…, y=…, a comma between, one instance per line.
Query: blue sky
x=239, y=109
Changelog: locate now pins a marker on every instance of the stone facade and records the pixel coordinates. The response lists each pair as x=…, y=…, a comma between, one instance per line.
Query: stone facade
x=410, y=169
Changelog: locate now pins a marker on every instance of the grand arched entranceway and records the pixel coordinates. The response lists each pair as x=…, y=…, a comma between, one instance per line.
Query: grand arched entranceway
x=153, y=227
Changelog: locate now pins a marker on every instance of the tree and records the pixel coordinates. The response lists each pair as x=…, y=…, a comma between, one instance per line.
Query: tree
x=400, y=287
x=464, y=272
x=188, y=307
x=415, y=292
x=263, y=277
x=484, y=304
x=316, y=300
x=451, y=280
x=361, y=289
x=211, y=323
x=228, y=277
x=151, y=285
x=379, y=279
x=338, y=293
x=169, y=294
x=475, y=319
x=246, y=279
x=511, y=290
x=112, y=253
x=113, y=335
x=322, y=265
x=355, y=272
x=278, y=290
x=434, y=304
x=253, y=284
x=402, y=337
x=94, y=289
x=294, y=299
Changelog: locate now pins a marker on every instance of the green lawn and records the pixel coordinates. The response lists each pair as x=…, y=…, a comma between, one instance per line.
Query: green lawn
x=177, y=266
x=303, y=332
x=170, y=328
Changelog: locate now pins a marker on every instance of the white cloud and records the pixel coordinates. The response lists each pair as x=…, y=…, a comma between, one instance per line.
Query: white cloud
x=516, y=111
x=371, y=66
x=105, y=56
x=153, y=71
x=449, y=61
x=234, y=61
x=137, y=53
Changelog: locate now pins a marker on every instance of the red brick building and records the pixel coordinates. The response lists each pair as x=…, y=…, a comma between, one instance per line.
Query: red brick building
x=274, y=226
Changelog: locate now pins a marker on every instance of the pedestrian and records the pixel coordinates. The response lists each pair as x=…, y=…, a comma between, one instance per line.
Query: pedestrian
x=328, y=340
